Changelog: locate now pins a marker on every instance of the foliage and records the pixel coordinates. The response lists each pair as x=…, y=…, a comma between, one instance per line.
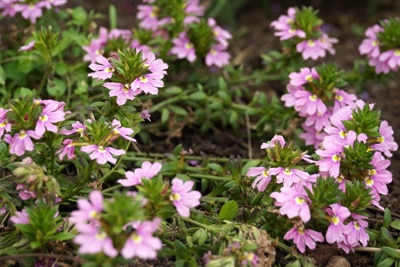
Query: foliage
x=77, y=98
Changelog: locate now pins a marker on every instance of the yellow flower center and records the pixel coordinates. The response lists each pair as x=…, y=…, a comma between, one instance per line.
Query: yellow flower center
x=287, y=171
x=101, y=236
x=101, y=149
x=143, y=79
x=335, y=158
x=43, y=118
x=369, y=181
x=188, y=46
x=136, y=238
x=335, y=220
x=313, y=98
x=308, y=78
x=381, y=139
x=22, y=135
x=175, y=197
x=265, y=173
x=397, y=52
x=339, y=98
x=342, y=134
x=311, y=43
x=299, y=200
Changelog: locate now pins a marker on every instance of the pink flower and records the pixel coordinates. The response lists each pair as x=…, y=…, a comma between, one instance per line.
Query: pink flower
x=336, y=229
x=49, y=3
x=355, y=231
x=103, y=69
x=272, y=143
x=52, y=112
x=67, y=149
x=386, y=140
x=289, y=176
x=146, y=171
x=8, y=7
x=124, y=132
x=88, y=211
x=27, y=47
x=25, y=193
x=183, y=48
x=315, y=48
x=20, y=217
x=123, y=92
x=155, y=65
x=379, y=177
x=183, y=198
x=93, y=241
x=5, y=126
x=293, y=202
x=148, y=83
x=102, y=155
x=29, y=11
x=306, y=75
x=21, y=142
x=304, y=237
x=263, y=177
x=141, y=243
x=284, y=26
x=220, y=35
x=217, y=57
x=77, y=127
x=331, y=155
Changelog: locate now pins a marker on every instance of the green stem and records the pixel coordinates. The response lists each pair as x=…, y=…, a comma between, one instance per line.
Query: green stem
x=209, y=177
x=178, y=98
x=43, y=81
x=73, y=190
x=202, y=225
x=115, y=166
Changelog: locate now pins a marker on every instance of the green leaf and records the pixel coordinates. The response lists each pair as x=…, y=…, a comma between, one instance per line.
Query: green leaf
x=395, y=224
x=112, y=12
x=164, y=115
x=56, y=87
x=387, y=218
x=64, y=236
x=200, y=236
x=2, y=76
x=198, y=96
x=178, y=110
x=393, y=253
x=388, y=262
x=229, y=210
x=61, y=68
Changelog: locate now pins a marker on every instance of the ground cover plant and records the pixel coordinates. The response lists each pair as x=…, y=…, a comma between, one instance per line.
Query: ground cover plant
x=87, y=111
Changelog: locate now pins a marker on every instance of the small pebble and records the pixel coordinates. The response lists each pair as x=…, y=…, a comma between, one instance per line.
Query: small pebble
x=338, y=261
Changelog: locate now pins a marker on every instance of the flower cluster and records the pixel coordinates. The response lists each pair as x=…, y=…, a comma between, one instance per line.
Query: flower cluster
x=99, y=233
x=31, y=10
x=302, y=29
x=195, y=37
x=95, y=138
x=315, y=95
x=381, y=46
x=129, y=73
x=353, y=160
x=181, y=195
x=27, y=119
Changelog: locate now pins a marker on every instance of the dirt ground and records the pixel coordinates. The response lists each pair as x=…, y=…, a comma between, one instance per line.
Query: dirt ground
x=342, y=19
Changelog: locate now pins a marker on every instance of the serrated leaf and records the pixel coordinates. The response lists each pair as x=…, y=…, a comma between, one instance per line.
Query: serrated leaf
x=229, y=210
